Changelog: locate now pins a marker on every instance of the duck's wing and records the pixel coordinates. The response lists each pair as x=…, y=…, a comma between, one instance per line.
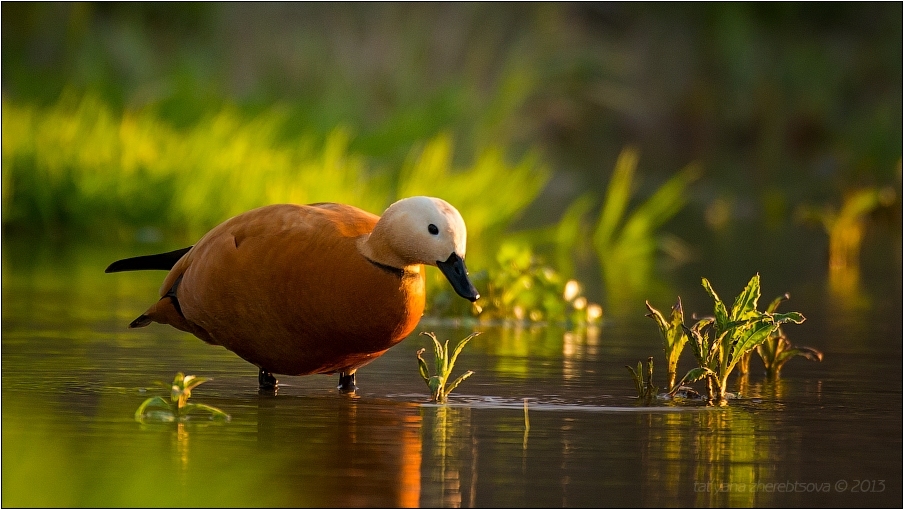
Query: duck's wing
x=227, y=252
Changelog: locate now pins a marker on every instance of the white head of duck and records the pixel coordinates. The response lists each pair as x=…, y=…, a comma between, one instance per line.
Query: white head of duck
x=422, y=230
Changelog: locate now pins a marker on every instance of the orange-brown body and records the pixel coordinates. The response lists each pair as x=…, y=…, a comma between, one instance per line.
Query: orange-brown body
x=286, y=288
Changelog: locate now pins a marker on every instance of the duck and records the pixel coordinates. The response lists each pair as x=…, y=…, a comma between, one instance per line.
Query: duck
x=321, y=288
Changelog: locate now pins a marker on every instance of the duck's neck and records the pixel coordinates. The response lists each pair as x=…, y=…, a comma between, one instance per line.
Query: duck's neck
x=372, y=247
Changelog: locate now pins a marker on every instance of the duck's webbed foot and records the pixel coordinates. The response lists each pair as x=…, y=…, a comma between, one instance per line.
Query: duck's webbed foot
x=266, y=381
x=347, y=382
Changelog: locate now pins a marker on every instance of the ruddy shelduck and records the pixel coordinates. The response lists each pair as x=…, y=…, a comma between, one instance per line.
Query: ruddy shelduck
x=309, y=289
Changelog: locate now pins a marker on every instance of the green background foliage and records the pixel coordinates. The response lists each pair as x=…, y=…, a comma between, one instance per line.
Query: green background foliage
x=154, y=122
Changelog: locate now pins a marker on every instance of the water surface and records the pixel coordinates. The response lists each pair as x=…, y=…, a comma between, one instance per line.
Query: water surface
x=826, y=434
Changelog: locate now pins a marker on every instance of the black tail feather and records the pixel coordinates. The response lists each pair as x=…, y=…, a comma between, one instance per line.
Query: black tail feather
x=140, y=322
x=162, y=261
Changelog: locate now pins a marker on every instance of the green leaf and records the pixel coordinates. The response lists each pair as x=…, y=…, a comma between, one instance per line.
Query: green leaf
x=422, y=365
x=719, y=308
x=677, y=317
x=640, y=379
x=638, y=383
x=657, y=316
x=782, y=318
x=770, y=349
x=447, y=368
x=667, y=200
x=438, y=353
x=215, y=413
x=777, y=301
x=459, y=347
x=809, y=353
x=748, y=337
x=192, y=382
x=458, y=381
x=664, y=203
x=618, y=193
x=705, y=322
x=153, y=401
x=570, y=231
x=745, y=303
x=784, y=357
x=676, y=337
x=718, y=347
x=697, y=339
x=436, y=385
x=178, y=386
x=693, y=375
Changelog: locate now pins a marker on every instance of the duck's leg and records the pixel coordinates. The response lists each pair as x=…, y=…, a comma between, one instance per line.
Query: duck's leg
x=347, y=382
x=266, y=381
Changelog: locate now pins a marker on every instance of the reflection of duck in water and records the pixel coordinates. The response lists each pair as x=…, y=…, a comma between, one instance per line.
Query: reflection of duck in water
x=309, y=289
x=345, y=453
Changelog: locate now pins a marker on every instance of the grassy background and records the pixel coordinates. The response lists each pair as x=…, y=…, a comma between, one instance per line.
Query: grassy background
x=154, y=122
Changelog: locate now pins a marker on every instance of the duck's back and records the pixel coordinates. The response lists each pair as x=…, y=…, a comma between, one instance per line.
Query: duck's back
x=286, y=288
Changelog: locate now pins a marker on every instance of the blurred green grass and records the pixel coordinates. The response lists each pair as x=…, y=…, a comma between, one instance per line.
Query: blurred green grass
x=157, y=121
x=77, y=165
x=779, y=96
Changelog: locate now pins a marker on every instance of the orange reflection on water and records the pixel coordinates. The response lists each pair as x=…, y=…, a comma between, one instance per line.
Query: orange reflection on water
x=410, y=469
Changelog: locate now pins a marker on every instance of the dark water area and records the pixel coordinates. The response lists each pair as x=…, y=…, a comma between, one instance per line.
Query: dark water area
x=826, y=434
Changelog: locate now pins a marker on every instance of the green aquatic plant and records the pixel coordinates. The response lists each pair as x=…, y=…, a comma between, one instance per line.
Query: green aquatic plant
x=522, y=288
x=177, y=408
x=444, y=363
x=626, y=240
x=846, y=225
x=778, y=350
x=719, y=342
x=643, y=381
x=673, y=337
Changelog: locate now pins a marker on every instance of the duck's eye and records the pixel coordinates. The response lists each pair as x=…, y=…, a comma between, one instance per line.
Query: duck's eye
x=432, y=229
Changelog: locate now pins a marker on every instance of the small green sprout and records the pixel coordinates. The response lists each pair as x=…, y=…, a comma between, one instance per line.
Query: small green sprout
x=178, y=408
x=719, y=342
x=673, y=337
x=439, y=393
x=777, y=349
x=643, y=381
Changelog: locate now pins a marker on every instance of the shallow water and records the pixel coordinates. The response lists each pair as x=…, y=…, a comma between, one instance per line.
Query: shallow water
x=826, y=434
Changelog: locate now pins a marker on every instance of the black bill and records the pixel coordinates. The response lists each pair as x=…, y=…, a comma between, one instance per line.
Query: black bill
x=455, y=271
